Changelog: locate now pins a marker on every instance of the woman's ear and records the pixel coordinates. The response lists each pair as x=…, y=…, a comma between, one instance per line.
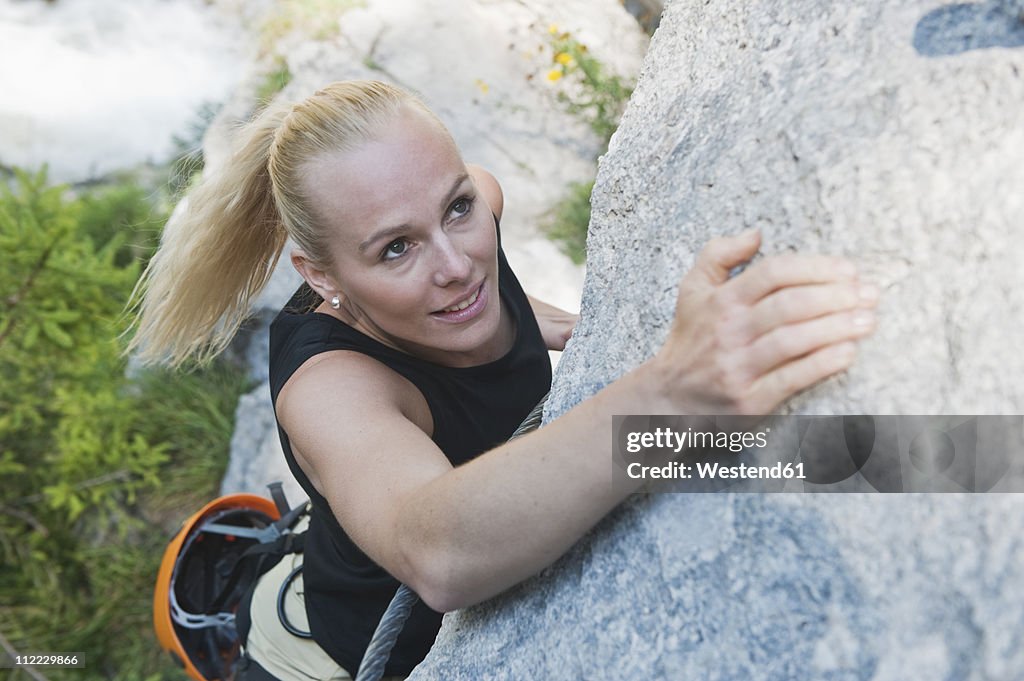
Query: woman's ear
x=318, y=279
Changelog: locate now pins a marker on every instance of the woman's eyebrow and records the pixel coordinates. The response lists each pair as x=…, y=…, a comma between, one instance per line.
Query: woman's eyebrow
x=454, y=190
x=397, y=230
x=386, y=233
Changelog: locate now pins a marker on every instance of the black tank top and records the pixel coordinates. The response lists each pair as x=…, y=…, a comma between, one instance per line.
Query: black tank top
x=473, y=409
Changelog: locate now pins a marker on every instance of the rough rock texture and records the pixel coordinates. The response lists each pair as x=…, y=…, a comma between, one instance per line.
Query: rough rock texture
x=890, y=132
x=481, y=66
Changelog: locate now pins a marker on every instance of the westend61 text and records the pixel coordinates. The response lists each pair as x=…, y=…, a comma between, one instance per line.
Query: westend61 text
x=677, y=470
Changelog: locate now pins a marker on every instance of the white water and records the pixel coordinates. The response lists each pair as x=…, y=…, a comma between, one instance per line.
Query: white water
x=91, y=86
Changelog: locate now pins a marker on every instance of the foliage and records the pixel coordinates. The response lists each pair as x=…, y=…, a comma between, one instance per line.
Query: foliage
x=571, y=218
x=587, y=87
x=309, y=19
x=62, y=296
x=86, y=453
x=274, y=81
x=193, y=414
x=317, y=19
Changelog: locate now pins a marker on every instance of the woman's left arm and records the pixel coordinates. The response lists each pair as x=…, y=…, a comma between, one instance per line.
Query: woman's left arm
x=555, y=324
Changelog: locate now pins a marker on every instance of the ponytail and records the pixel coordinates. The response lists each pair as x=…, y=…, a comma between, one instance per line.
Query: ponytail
x=218, y=253
x=215, y=256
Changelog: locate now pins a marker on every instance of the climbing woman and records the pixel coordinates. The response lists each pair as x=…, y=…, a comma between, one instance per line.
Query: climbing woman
x=411, y=353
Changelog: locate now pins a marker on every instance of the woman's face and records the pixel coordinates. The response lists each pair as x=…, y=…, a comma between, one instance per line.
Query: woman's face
x=413, y=244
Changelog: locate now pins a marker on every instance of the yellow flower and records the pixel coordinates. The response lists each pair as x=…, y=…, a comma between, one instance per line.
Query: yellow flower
x=563, y=58
x=554, y=74
x=484, y=87
x=553, y=29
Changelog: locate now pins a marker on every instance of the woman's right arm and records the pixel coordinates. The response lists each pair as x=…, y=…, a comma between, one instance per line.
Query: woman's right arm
x=457, y=536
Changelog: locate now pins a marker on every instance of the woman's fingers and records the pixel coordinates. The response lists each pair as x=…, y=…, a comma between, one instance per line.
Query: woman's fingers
x=777, y=386
x=792, y=341
x=723, y=253
x=800, y=303
x=746, y=344
x=778, y=272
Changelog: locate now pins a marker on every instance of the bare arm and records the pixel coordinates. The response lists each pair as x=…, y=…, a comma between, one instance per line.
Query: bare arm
x=459, y=536
x=556, y=325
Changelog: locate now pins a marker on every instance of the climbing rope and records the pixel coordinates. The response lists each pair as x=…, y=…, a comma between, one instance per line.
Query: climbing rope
x=391, y=623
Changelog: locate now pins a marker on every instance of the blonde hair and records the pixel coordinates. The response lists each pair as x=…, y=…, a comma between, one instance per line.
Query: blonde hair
x=218, y=254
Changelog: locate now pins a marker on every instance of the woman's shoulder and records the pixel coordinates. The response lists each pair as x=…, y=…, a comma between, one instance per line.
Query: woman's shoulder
x=488, y=187
x=302, y=334
x=346, y=378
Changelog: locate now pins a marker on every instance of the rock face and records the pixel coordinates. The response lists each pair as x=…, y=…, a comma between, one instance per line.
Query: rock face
x=481, y=66
x=889, y=132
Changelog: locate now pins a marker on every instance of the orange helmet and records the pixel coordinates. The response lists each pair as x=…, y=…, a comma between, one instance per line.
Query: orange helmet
x=198, y=587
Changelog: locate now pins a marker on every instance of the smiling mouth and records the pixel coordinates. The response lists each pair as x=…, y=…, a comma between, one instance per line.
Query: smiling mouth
x=466, y=309
x=465, y=303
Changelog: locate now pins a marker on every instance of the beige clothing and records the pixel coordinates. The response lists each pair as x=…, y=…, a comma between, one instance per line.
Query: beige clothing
x=286, y=656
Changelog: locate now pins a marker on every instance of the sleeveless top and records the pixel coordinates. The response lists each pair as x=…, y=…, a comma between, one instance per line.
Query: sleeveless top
x=473, y=409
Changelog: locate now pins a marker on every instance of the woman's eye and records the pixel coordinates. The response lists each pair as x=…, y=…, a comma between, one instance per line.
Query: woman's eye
x=461, y=207
x=395, y=249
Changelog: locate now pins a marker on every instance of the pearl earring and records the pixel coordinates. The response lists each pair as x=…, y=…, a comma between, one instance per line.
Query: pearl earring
x=336, y=302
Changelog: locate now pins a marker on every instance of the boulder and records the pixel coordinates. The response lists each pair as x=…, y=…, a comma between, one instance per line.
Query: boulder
x=888, y=132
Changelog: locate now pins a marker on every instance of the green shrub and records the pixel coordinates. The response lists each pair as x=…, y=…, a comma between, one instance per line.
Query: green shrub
x=587, y=88
x=568, y=224
x=62, y=409
x=192, y=415
x=273, y=81
x=95, y=468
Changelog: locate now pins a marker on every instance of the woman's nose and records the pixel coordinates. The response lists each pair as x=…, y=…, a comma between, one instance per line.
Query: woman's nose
x=453, y=264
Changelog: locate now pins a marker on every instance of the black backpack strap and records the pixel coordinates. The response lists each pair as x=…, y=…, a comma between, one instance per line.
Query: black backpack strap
x=256, y=560
x=291, y=517
x=280, y=500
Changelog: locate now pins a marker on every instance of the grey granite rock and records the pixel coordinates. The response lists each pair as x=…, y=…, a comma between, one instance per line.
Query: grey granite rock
x=889, y=132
